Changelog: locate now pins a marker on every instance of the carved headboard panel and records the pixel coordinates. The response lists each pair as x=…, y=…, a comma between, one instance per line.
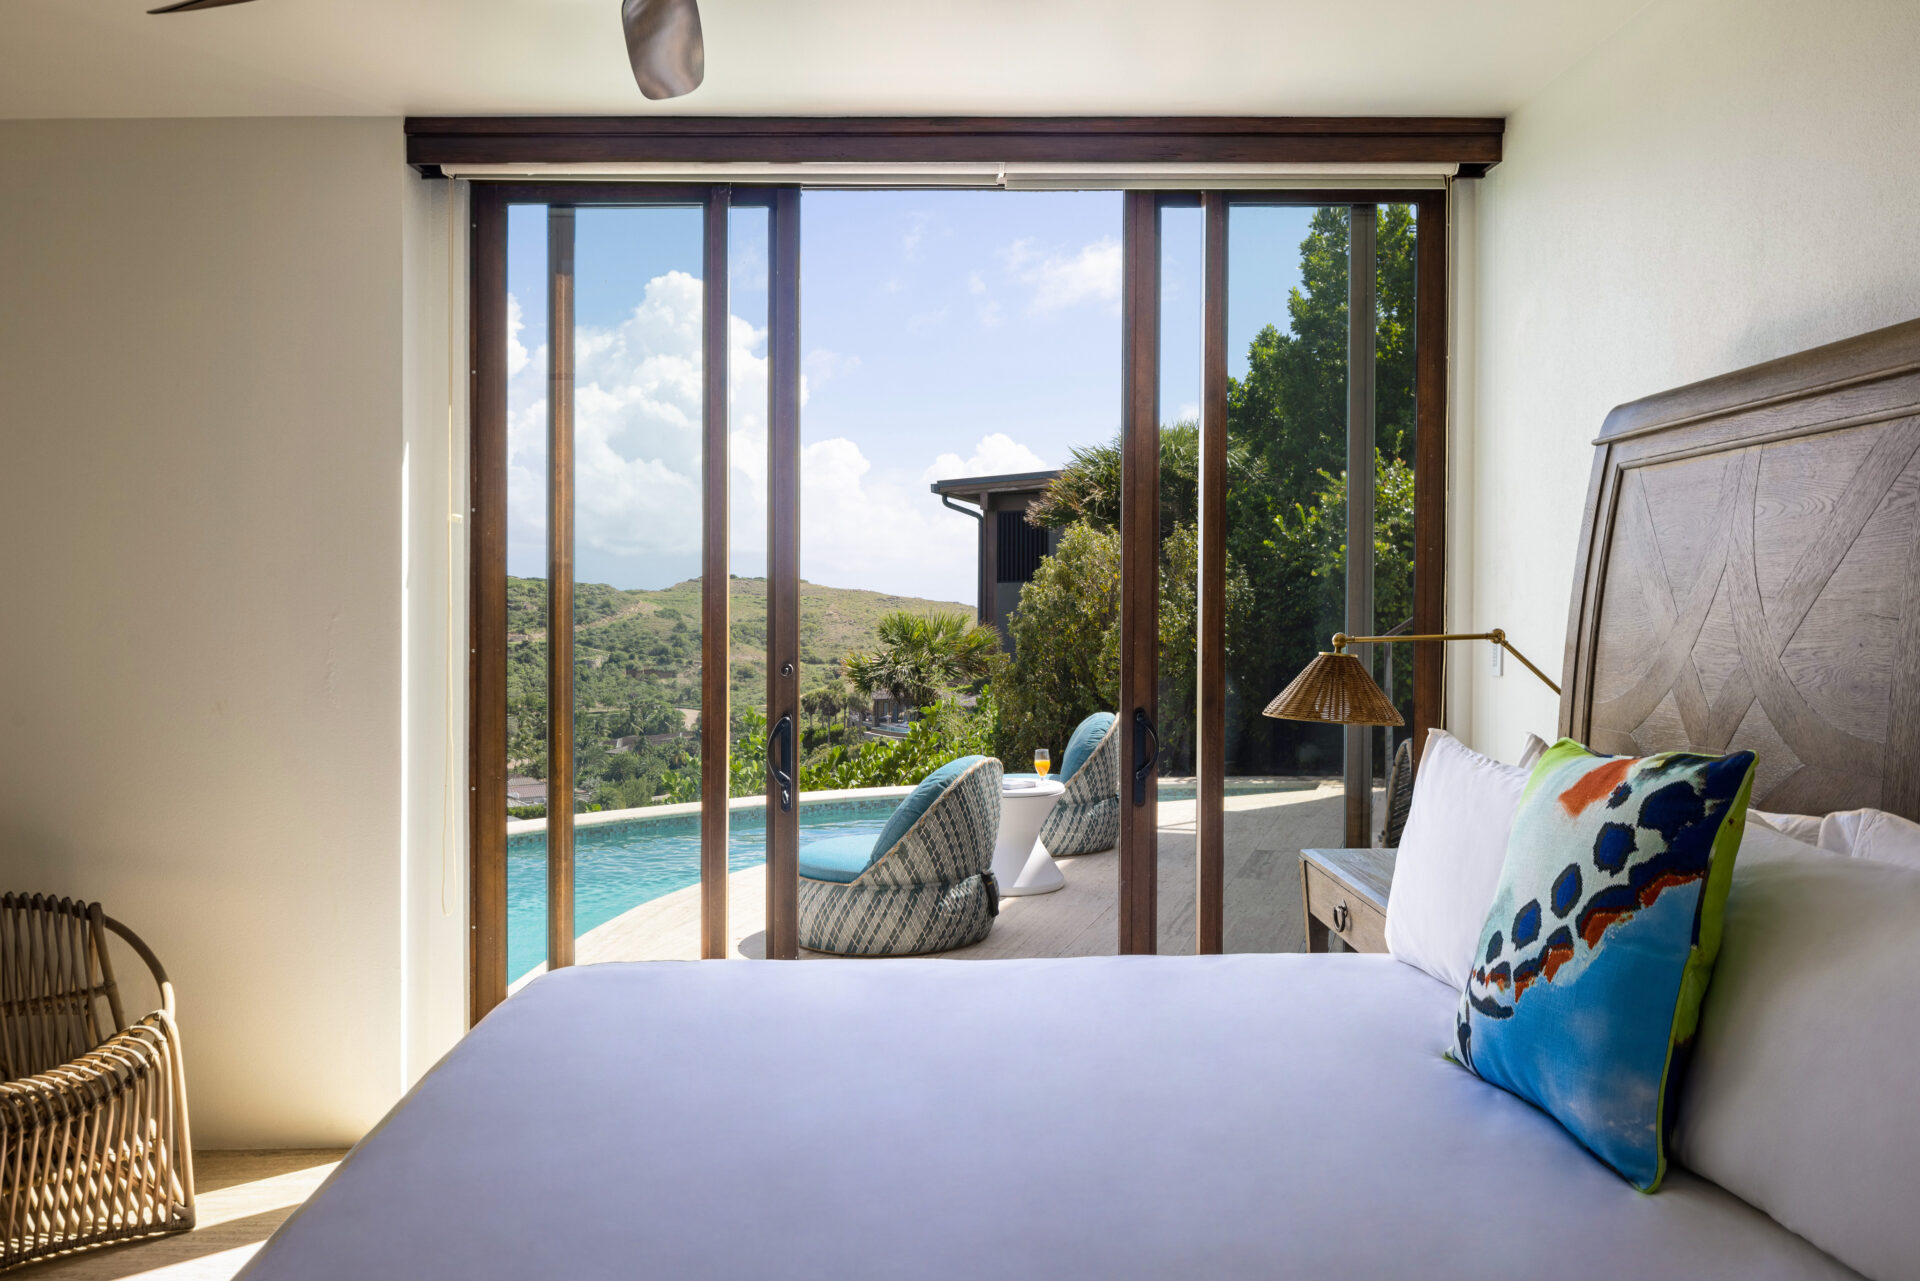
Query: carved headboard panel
x=1749, y=576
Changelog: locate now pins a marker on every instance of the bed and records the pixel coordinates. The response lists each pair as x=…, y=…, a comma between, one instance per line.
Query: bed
x=1744, y=580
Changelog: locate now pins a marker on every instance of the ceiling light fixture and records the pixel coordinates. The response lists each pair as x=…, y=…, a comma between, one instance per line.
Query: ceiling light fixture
x=665, y=46
x=664, y=42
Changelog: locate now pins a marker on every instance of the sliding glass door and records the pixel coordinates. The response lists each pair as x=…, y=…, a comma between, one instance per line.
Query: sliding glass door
x=1322, y=464
x=1253, y=462
x=600, y=620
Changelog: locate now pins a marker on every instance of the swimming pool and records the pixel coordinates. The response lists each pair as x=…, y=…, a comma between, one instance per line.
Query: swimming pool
x=622, y=864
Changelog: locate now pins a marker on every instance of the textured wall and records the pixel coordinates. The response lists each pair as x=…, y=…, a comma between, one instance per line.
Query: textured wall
x=210, y=400
x=1721, y=183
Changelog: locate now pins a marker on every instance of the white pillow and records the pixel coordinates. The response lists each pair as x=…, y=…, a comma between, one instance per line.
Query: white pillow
x=1801, y=827
x=1451, y=853
x=1800, y=1098
x=1870, y=834
x=1532, y=751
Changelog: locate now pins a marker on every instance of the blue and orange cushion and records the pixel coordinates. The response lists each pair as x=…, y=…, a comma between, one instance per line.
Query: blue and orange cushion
x=1586, y=987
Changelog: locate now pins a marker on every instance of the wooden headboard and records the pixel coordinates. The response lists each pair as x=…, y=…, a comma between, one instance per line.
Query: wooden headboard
x=1749, y=576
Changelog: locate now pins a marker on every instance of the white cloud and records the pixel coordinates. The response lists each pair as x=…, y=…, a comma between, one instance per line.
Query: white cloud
x=995, y=455
x=823, y=366
x=915, y=233
x=921, y=321
x=1187, y=413
x=637, y=411
x=859, y=529
x=1057, y=280
x=516, y=350
x=637, y=423
x=987, y=310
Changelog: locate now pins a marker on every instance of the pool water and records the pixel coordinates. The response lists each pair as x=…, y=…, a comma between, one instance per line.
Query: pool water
x=623, y=865
x=619, y=866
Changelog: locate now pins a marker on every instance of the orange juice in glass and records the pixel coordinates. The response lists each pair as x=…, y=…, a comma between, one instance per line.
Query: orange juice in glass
x=1042, y=761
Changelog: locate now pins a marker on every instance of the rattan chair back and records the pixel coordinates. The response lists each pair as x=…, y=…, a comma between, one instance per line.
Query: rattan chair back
x=94, y=1141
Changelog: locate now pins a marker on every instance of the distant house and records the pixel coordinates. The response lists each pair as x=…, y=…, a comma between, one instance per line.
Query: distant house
x=1010, y=549
x=625, y=743
x=533, y=791
x=888, y=707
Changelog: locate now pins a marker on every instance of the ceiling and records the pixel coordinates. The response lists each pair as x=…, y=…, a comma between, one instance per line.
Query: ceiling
x=63, y=58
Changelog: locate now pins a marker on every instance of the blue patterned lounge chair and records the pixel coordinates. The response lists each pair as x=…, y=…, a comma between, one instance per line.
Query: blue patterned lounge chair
x=924, y=885
x=1087, y=817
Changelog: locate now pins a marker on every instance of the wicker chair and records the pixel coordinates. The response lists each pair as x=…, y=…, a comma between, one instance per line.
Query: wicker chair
x=1399, y=796
x=1087, y=819
x=925, y=884
x=93, y=1112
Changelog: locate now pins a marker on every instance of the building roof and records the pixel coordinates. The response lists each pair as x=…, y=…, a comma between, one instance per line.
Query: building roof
x=1012, y=483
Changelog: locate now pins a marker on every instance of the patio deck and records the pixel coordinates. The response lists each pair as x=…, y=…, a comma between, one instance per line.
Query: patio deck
x=1264, y=834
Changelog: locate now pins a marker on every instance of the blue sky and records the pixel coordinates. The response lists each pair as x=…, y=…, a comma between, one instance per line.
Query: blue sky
x=944, y=333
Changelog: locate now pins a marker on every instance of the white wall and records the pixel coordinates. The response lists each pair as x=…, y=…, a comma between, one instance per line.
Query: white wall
x=218, y=367
x=1723, y=182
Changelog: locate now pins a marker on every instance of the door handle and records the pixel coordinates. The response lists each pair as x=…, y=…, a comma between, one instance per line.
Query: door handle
x=783, y=772
x=1144, y=759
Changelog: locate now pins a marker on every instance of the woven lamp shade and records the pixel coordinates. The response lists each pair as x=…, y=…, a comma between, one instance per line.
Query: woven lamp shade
x=1335, y=688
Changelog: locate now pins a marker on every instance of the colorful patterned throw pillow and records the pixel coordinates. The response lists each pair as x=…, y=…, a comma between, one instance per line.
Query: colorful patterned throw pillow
x=1585, y=990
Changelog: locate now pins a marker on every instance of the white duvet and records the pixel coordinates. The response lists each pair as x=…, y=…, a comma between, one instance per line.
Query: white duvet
x=1220, y=1117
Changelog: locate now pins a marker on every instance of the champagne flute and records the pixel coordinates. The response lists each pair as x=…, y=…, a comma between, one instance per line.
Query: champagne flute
x=1042, y=761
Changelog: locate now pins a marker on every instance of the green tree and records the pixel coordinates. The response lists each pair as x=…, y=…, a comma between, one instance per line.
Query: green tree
x=747, y=761
x=1315, y=541
x=922, y=656
x=1285, y=518
x=1066, y=657
x=944, y=731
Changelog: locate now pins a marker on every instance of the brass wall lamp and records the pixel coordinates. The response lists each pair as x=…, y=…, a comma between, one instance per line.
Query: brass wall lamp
x=1337, y=688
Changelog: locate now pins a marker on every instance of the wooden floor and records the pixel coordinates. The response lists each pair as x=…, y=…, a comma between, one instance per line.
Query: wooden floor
x=1264, y=834
x=242, y=1197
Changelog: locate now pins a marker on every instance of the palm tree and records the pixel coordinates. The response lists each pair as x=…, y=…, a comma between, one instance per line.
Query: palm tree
x=823, y=704
x=922, y=656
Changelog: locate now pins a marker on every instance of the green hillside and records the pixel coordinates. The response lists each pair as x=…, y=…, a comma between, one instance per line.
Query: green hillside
x=637, y=652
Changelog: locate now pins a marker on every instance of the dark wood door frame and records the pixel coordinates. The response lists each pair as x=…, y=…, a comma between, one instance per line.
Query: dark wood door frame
x=1140, y=484
x=716, y=696
x=487, y=567
x=783, y=575
x=1431, y=362
x=1362, y=330
x=560, y=620
x=1139, y=571
x=1473, y=143
x=487, y=603
x=1430, y=512
x=1210, y=796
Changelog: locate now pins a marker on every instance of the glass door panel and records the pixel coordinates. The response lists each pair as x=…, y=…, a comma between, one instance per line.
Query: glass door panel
x=959, y=541
x=746, y=723
x=1285, y=526
x=1395, y=430
x=1182, y=293
x=609, y=449
x=526, y=502
x=637, y=388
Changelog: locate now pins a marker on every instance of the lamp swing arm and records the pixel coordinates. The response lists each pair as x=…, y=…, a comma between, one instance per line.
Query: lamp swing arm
x=1499, y=637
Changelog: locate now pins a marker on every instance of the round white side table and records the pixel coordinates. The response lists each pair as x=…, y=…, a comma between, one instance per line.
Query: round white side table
x=1020, y=863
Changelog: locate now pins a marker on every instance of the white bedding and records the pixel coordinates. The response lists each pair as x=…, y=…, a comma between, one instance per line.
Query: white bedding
x=1220, y=1117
